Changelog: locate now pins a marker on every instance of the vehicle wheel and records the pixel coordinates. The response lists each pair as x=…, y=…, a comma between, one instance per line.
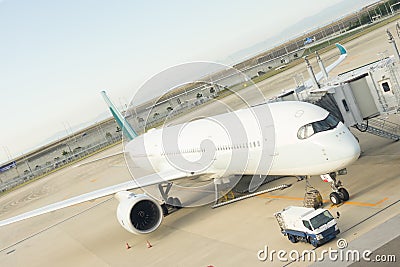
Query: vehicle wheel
x=292, y=238
x=314, y=243
x=344, y=194
x=177, y=203
x=335, y=199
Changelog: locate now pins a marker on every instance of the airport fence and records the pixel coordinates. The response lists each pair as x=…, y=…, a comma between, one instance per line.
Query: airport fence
x=61, y=162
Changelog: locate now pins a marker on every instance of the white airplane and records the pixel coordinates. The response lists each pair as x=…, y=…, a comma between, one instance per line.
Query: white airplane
x=282, y=138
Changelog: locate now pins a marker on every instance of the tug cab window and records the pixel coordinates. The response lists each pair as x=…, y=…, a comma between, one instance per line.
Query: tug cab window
x=321, y=219
x=307, y=225
x=329, y=123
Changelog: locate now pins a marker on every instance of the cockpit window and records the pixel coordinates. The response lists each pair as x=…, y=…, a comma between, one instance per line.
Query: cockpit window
x=305, y=131
x=329, y=123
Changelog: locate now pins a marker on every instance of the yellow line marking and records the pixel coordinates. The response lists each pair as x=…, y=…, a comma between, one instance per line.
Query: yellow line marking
x=364, y=204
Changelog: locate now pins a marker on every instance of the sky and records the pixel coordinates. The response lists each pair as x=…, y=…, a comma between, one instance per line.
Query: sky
x=56, y=56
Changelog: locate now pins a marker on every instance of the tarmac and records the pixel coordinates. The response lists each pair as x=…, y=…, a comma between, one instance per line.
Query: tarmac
x=89, y=234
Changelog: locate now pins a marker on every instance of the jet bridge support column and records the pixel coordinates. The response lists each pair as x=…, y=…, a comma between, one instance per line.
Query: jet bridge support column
x=311, y=73
x=321, y=66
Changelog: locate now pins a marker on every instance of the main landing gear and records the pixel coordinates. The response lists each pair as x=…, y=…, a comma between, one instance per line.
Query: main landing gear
x=171, y=204
x=339, y=193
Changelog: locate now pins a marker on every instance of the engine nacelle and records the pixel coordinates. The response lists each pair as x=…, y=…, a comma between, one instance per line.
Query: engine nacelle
x=138, y=214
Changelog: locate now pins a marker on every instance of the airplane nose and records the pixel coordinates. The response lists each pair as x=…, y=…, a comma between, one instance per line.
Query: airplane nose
x=354, y=147
x=349, y=146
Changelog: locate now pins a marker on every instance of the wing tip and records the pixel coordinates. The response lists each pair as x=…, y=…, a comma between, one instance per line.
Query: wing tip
x=341, y=48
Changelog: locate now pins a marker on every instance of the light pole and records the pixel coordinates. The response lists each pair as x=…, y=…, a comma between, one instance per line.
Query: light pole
x=369, y=15
x=27, y=164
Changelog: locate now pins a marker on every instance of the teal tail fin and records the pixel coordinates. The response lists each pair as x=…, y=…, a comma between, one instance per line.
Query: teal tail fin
x=121, y=121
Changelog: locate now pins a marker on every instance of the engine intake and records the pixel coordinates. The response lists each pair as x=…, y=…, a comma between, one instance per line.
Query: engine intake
x=138, y=214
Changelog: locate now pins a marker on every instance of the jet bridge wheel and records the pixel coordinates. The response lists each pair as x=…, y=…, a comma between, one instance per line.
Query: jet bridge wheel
x=335, y=198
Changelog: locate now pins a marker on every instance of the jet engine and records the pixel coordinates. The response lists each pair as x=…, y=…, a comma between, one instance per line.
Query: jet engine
x=138, y=214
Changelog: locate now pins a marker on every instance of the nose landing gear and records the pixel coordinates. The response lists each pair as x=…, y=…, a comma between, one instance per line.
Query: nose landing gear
x=339, y=193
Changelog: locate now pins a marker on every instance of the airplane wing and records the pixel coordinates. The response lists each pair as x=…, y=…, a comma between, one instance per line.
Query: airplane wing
x=147, y=180
x=320, y=75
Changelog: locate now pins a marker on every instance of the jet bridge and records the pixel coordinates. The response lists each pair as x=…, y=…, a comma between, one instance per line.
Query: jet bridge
x=360, y=98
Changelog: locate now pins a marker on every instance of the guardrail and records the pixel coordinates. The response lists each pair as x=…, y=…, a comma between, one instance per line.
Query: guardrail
x=18, y=180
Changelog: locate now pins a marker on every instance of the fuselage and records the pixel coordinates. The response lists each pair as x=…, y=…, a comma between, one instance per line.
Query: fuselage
x=282, y=138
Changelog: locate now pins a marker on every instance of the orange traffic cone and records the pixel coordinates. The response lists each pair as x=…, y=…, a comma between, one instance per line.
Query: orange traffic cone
x=148, y=244
x=127, y=246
